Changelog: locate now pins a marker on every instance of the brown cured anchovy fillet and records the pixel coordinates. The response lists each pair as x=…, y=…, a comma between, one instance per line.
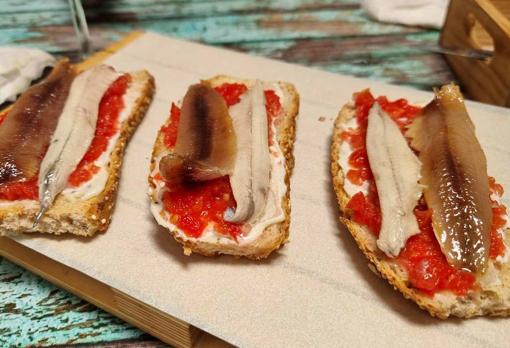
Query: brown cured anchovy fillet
x=454, y=174
x=206, y=142
x=180, y=170
x=26, y=132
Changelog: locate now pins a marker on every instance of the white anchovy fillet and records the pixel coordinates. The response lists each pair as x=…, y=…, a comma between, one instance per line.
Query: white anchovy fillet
x=18, y=67
x=74, y=133
x=396, y=171
x=252, y=170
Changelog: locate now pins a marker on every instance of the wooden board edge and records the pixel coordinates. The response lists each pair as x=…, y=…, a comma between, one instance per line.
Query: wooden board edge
x=487, y=81
x=98, y=57
x=151, y=320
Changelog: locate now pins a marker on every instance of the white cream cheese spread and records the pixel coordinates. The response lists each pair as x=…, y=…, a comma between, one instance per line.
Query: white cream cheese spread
x=97, y=183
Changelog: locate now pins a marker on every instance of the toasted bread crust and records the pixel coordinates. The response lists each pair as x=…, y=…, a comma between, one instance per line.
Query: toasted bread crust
x=82, y=217
x=274, y=236
x=493, y=302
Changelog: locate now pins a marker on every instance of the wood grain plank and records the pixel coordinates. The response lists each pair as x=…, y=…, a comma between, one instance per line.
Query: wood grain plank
x=397, y=59
x=334, y=49
x=264, y=27
x=228, y=28
x=339, y=40
x=176, y=7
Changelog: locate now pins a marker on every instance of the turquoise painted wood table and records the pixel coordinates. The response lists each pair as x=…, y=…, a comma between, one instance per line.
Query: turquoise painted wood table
x=333, y=35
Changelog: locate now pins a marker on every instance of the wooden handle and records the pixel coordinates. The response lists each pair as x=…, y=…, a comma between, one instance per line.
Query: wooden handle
x=497, y=26
x=486, y=81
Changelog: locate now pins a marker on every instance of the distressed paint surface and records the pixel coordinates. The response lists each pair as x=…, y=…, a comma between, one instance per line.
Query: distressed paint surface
x=328, y=34
x=33, y=311
x=333, y=35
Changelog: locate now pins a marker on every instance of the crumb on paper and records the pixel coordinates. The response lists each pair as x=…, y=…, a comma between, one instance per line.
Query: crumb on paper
x=322, y=119
x=374, y=270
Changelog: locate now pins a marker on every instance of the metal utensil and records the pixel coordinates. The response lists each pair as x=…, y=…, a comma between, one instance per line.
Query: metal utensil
x=461, y=52
x=80, y=27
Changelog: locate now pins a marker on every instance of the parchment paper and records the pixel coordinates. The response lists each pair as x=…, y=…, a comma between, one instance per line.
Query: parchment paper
x=316, y=291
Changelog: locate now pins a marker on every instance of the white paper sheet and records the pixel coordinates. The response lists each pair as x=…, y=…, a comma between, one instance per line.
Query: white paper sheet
x=316, y=291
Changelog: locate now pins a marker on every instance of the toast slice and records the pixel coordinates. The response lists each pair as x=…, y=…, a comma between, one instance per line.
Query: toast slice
x=274, y=235
x=84, y=217
x=492, y=298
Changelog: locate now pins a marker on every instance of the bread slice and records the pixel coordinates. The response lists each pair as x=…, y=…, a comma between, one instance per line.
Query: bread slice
x=274, y=235
x=82, y=217
x=493, y=297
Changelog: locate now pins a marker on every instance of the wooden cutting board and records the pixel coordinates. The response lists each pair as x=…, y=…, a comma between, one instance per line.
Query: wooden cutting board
x=316, y=291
